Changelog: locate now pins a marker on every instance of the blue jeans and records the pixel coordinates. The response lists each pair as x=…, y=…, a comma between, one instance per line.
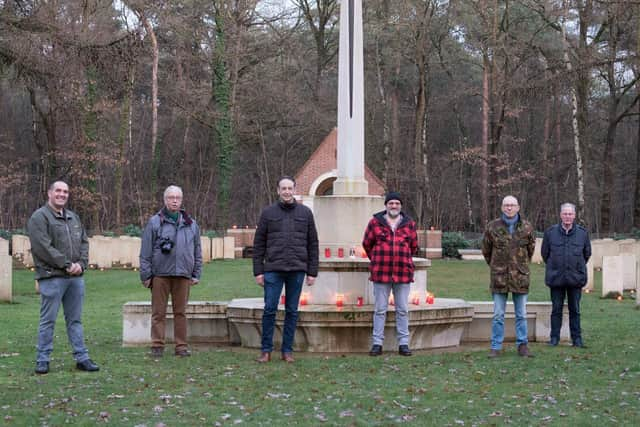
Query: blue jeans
x=497, y=326
x=557, y=302
x=70, y=292
x=273, y=282
x=381, y=293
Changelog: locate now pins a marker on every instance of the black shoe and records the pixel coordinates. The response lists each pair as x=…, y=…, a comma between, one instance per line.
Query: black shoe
x=554, y=341
x=42, y=367
x=87, y=365
x=403, y=350
x=183, y=353
x=578, y=343
x=376, y=350
x=156, y=352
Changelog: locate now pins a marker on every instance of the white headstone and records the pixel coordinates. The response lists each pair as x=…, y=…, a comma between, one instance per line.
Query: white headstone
x=537, y=252
x=611, y=275
x=229, y=246
x=5, y=277
x=4, y=246
x=217, y=248
x=22, y=249
x=628, y=261
x=205, y=244
x=590, y=279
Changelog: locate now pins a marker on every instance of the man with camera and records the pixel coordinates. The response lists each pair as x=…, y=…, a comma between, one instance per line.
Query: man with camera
x=170, y=263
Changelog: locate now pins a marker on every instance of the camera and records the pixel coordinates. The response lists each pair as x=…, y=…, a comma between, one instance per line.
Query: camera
x=166, y=244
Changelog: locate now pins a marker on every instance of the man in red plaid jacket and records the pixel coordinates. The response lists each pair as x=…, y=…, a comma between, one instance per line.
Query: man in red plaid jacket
x=390, y=241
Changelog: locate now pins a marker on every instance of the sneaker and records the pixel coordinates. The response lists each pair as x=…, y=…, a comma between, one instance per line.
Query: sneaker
x=523, y=351
x=403, y=350
x=554, y=341
x=376, y=350
x=183, y=353
x=42, y=367
x=493, y=354
x=87, y=365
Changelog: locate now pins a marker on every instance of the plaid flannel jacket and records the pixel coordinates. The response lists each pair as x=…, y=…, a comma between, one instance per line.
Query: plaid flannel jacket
x=391, y=252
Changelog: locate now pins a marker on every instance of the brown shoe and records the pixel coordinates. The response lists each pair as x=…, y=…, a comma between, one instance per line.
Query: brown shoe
x=264, y=357
x=523, y=351
x=493, y=354
x=288, y=357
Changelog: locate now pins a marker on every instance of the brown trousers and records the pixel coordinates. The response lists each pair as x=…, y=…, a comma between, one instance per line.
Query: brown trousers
x=178, y=288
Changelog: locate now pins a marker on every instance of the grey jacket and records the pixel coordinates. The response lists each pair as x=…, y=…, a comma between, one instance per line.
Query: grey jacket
x=184, y=259
x=57, y=241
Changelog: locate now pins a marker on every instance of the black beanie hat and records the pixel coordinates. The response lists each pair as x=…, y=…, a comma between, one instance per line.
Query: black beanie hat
x=392, y=195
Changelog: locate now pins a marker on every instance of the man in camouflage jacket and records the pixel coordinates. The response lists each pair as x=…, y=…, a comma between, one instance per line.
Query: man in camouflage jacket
x=507, y=246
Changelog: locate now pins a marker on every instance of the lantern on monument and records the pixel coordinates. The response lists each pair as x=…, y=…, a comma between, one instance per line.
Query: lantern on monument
x=327, y=252
x=339, y=300
x=430, y=298
x=360, y=302
x=415, y=299
x=340, y=252
x=304, y=298
x=283, y=299
x=391, y=300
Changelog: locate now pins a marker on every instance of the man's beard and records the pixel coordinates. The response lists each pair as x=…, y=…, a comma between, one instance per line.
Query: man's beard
x=393, y=213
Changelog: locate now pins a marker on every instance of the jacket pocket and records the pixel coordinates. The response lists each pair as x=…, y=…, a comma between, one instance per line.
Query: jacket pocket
x=300, y=224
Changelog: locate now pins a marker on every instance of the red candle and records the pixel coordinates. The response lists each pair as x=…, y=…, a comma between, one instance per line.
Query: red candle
x=282, y=299
x=303, y=298
x=360, y=302
x=391, y=301
x=430, y=299
x=340, y=253
x=339, y=300
x=327, y=252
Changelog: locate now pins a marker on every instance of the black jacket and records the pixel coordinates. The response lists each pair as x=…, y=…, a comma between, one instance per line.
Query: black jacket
x=566, y=255
x=286, y=240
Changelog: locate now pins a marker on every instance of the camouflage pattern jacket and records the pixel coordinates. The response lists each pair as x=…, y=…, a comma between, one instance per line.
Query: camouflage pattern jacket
x=509, y=255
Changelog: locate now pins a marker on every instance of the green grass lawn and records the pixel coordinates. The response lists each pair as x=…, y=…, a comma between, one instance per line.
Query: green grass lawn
x=596, y=386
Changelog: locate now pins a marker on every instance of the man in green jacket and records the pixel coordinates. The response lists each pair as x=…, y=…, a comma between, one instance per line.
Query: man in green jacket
x=60, y=251
x=507, y=246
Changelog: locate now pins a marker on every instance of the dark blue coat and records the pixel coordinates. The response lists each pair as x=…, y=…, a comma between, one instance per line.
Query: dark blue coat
x=566, y=255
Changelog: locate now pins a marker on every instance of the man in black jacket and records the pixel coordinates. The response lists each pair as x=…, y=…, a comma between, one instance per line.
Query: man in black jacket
x=565, y=250
x=285, y=249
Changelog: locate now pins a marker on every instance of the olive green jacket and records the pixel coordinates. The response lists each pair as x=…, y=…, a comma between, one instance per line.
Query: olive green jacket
x=57, y=241
x=509, y=255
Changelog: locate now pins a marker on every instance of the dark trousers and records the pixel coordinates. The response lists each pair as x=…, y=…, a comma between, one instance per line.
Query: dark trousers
x=573, y=301
x=178, y=288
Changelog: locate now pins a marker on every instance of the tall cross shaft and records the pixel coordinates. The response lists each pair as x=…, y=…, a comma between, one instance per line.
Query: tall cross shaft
x=351, y=179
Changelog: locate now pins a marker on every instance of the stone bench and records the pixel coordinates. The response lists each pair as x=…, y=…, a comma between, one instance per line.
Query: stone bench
x=471, y=254
x=538, y=322
x=207, y=324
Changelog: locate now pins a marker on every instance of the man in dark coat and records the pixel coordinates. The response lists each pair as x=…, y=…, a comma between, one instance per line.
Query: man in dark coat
x=565, y=250
x=507, y=246
x=285, y=249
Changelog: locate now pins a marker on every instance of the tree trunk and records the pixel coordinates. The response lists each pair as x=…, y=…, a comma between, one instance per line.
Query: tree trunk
x=484, y=193
x=154, y=95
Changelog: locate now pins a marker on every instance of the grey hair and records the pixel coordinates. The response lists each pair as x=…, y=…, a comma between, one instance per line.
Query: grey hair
x=568, y=205
x=172, y=189
x=510, y=197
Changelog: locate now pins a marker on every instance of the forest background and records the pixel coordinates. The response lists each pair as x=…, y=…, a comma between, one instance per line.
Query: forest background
x=466, y=101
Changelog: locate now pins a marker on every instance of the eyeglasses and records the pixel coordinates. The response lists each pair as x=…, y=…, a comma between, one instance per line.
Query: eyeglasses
x=174, y=197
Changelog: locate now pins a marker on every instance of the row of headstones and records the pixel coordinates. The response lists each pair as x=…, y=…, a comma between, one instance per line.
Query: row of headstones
x=123, y=251
x=600, y=248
